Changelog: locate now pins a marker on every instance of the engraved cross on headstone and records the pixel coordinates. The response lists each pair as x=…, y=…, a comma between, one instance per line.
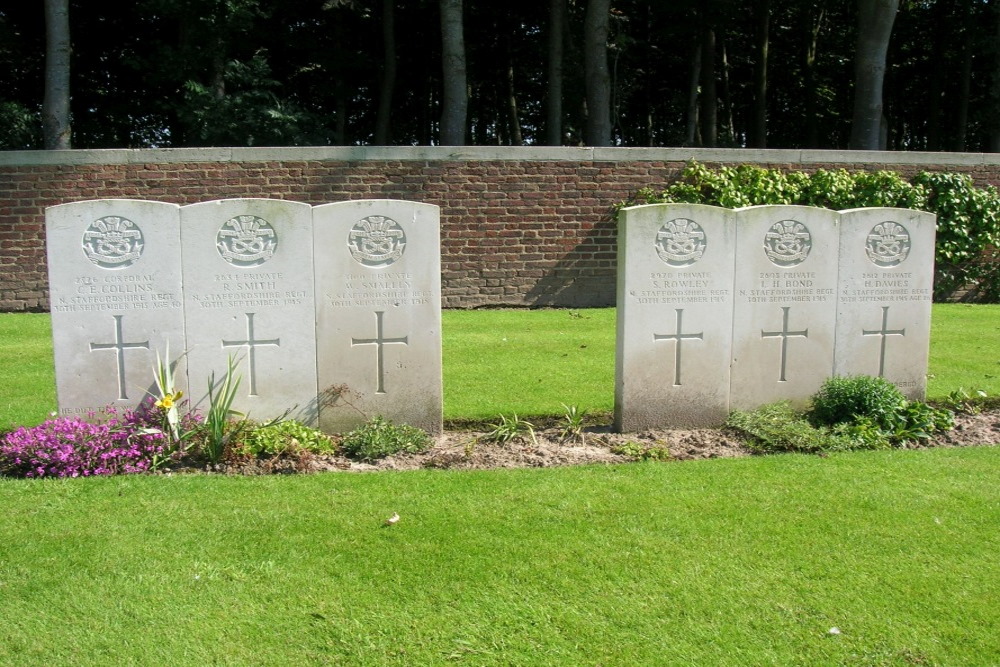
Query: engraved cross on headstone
x=251, y=343
x=884, y=333
x=678, y=338
x=119, y=347
x=784, y=334
x=378, y=342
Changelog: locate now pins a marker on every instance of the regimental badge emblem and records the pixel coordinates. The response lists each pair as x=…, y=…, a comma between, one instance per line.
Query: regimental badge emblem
x=787, y=243
x=681, y=242
x=888, y=244
x=376, y=241
x=113, y=242
x=246, y=240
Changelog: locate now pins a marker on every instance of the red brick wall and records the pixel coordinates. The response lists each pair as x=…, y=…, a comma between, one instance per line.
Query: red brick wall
x=514, y=232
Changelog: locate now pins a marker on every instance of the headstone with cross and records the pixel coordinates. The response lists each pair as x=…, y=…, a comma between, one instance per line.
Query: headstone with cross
x=675, y=304
x=248, y=294
x=785, y=306
x=115, y=291
x=378, y=313
x=884, y=297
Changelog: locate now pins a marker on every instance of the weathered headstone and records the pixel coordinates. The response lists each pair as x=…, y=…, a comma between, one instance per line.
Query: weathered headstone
x=248, y=293
x=378, y=313
x=884, y=302
x=115, y=291
x=785, y=310
x=675, y=315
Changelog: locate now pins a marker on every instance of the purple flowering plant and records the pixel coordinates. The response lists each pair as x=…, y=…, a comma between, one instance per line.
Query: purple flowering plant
x=71, y=447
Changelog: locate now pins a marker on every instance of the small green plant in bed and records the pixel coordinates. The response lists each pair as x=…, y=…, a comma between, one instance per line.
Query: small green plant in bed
x=507, y=429
x=571, y=423
x=379, y=438
x=283, y=438
x=638, y=452
x=776, y=427
x=961, y=401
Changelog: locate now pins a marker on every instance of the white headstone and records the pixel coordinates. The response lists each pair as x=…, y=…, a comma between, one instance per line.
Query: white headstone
x=248, y=293
x=886, y=283
x=785, y=304
x=378, y=313
x=115, y=290
x=675, y=315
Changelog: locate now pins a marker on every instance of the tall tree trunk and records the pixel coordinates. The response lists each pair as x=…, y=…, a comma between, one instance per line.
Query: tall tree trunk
x=388, y=82
x=554, y=85
x=648, y=96
x=726, y=100
x=340, y=109
x=962, y=121
x=339, y=91
x=512, y=113
x=709, y=99
x=455, y=99
x=994, y=95
x=815, y=23
x=217, y=75
x=596, y=76
x=762, y=25
x=875, y=20
x=692, y=137
x=55, y=105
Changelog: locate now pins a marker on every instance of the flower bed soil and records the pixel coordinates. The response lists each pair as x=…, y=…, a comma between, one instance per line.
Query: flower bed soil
x=469, y=450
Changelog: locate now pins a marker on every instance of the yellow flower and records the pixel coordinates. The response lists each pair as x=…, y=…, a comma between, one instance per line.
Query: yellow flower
x=167, y=402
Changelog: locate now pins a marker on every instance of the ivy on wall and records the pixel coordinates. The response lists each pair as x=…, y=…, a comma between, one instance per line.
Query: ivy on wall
x=968, y=217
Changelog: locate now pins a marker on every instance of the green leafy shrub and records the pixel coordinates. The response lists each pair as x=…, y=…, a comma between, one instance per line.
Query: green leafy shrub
x=287, y=437
x=379, y=438
x=968, y=226
x=919, y=421
x=861, y=405
x=776, y=427
x=845, y=400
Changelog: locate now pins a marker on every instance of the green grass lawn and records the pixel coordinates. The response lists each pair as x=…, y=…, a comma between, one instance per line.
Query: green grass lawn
x=528, y=362
x=965, y=349
x=524, y=361
x=27, y=371
x=725, y=562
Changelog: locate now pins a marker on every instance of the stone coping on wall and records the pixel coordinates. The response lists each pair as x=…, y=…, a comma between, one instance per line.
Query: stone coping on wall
x=489, y=153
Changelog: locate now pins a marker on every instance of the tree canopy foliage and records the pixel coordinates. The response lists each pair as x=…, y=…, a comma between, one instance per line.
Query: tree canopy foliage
x=775, y=73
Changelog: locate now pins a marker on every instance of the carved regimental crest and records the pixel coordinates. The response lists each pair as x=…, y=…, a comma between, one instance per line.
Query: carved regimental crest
x=787, y=243
x=681, y=242
x=888, y=244
x=246, y=240
x=113, y=242
x=376, y=241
